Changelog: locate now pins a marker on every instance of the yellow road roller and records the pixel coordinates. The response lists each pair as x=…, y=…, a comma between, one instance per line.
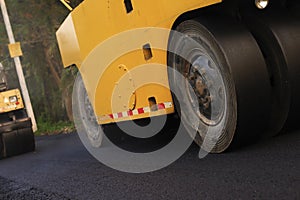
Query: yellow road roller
x=16, y=135
x=231, y=66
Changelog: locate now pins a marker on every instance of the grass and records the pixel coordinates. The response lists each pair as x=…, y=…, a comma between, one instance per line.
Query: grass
x=61, y=127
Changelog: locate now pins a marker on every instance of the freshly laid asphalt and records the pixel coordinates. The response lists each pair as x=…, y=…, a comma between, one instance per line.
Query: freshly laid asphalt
x=61, y=168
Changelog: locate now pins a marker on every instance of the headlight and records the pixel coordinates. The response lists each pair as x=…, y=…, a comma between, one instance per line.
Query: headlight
x=13, y=99
x=261, y=4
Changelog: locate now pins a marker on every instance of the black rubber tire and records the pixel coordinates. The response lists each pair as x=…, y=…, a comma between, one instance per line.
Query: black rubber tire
x=244, y=73
x=18, y=142
x=84, y=114
x=279, y=38
x=17, y=138
x=2, y=151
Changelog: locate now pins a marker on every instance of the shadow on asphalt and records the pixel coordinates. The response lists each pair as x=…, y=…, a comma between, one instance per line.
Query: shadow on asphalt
x=167, y=134
x=143, y=145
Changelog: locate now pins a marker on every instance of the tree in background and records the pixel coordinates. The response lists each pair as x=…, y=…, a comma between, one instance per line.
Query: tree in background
x=34, y=23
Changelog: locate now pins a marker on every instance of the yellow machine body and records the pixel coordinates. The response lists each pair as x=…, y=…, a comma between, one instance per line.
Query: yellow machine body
x=10, y=100
x=123, y=92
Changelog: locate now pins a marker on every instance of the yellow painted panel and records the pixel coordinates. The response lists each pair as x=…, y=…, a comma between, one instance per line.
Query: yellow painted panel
x=15, y=50
x=94, y=36
x=6, y=105
x=68, y=43
x=96, y=21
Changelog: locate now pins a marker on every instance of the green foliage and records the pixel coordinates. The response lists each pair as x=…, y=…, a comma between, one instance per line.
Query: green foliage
x=34, y=23
x=48, y=128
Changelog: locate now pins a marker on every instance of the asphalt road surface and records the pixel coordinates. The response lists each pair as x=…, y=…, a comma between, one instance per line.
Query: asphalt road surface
x=61, y=168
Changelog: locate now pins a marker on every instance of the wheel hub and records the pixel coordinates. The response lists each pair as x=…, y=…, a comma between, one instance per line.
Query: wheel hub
x=207, y=84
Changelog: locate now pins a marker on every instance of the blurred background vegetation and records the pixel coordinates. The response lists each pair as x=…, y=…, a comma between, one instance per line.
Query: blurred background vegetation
x=34, y=23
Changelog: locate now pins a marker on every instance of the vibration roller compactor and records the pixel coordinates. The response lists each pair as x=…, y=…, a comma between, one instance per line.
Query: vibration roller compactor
x=16, y=134
x=239, y=59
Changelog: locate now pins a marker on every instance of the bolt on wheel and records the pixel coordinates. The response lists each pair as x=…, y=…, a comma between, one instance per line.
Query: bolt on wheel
x=206, y=82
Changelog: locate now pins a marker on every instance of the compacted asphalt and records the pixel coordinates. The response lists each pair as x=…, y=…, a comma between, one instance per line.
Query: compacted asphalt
x=61, y=168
